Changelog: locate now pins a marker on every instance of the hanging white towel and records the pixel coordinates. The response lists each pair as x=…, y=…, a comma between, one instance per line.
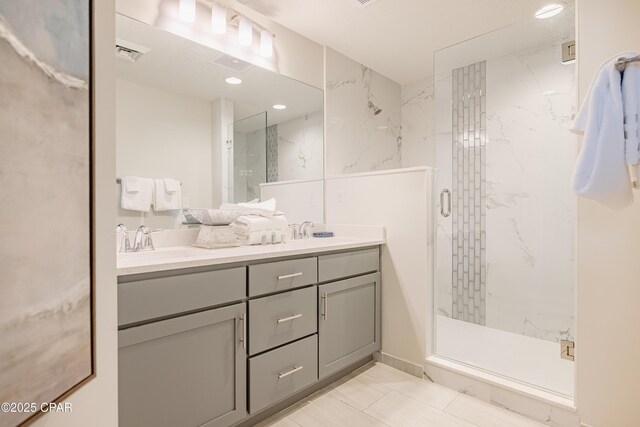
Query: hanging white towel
x=601, y=173
x=136, y=194
x=168, y=195
x=631, y=107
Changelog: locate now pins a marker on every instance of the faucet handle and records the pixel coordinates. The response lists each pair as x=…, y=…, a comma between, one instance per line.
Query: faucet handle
x=305, y=229
x=125, y=244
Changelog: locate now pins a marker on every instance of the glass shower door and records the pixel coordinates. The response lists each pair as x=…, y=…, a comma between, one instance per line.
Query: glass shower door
x=248, y=164
x=505, y=257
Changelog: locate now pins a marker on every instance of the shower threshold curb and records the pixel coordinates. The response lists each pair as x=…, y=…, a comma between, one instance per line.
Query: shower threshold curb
x=562, y=401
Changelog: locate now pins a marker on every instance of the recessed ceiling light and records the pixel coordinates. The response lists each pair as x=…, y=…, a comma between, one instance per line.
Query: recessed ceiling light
x=549, y=10
x=279, y=107
x=233, y=80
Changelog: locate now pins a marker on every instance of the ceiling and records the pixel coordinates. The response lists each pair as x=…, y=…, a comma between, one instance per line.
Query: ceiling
x=182, y=66
x=397, y=38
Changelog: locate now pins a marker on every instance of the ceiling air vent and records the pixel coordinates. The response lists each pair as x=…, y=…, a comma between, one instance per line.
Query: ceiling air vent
x=230, y=63
x=128, y=51
x=363, y=3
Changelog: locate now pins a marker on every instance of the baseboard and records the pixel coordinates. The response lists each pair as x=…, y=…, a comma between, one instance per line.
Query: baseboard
x=399, y=364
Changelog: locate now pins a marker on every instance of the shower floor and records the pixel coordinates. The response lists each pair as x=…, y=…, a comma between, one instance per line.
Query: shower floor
x=530, y=360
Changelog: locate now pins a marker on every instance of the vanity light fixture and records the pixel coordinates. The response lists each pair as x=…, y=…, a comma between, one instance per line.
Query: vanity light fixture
x=245, y=31
x=233, y=80
x=266, y=44
x=218, y=19
x=187, y=10
x=279, y=107
x=549, y=10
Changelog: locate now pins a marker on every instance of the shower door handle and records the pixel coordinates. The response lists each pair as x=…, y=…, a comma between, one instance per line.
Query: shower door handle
x=447, y=193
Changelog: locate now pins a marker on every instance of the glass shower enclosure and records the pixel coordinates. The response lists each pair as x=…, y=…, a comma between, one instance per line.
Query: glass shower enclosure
x=505, y=229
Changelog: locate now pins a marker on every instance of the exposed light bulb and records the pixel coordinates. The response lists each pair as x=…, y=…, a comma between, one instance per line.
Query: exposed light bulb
x=266, y=44
x=549, y=10
x=218, y=19
x=187, y=9
x=279, y=107
x=245, y=31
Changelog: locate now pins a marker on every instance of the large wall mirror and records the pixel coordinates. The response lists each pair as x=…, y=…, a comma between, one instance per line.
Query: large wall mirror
x=219, y=126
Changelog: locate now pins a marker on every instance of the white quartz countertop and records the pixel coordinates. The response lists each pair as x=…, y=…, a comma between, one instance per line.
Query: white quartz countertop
x=179, y=257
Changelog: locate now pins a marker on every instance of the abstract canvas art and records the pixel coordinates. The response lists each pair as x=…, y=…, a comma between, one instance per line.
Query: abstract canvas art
x=46, y=345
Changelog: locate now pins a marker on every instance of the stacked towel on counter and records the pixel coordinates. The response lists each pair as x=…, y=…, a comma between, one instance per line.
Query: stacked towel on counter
x=249, y=229
x=213, y=237
x=601, y=173
x=266, y=208
x=168, y=195
x=137, y=193
x=211, y=216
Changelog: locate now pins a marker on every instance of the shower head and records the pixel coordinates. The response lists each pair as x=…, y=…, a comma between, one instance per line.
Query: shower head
x=376, y=110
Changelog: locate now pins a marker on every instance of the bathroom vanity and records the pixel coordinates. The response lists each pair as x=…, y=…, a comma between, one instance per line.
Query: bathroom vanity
x=225, y=337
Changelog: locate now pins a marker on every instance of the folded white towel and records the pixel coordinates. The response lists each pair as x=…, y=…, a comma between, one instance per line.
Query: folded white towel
x=168, y=197
x=171, y=185
x=136, y=193
x=266, y=208
x=213, y=216
x=251, y=223
x=601, y=173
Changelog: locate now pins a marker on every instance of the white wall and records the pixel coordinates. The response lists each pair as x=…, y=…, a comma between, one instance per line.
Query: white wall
x=300, y=201
x=356, y=139
x=608, y=344
x=399, y=200
x=96, y=403
x=163, y=134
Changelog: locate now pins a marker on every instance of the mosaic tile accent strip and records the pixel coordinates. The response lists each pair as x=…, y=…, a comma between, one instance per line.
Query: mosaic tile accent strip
x=272, y=153
x=469, y=193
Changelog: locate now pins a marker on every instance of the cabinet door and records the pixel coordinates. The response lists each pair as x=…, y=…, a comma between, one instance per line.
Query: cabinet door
x=349, y=322
x=187, y=371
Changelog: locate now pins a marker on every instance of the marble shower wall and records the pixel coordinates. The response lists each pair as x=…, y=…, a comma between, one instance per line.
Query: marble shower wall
x=357, y=140
x=300, y=148
x=417, y=123
x=531, y=213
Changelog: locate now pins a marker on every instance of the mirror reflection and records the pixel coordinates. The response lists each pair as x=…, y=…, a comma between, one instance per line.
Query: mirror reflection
x=217, y=126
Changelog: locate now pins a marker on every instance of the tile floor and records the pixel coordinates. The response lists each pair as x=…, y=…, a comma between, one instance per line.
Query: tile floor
x=378, y=395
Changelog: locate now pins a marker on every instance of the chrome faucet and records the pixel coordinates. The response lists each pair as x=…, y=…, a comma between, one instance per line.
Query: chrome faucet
x=143, y=240
x=125, y=245
x=295, y=231
x=305, y=229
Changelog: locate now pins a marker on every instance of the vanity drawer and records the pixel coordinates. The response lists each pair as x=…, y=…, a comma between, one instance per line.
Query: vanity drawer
x=281, y=318
x=163, y=296
x=282, y=275
x=279, y=373
x=336, y=266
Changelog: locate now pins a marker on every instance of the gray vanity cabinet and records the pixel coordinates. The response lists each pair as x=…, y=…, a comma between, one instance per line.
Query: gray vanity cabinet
x=186, y=371
x=349, y=322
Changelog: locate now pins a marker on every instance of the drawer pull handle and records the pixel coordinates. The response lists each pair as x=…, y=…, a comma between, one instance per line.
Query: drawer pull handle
x=286, y=319
x=295, y=369
x=289, y=276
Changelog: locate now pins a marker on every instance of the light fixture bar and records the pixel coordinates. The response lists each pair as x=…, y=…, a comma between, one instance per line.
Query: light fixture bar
x=245, y=31
x=218, y=19
x=187, y=10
